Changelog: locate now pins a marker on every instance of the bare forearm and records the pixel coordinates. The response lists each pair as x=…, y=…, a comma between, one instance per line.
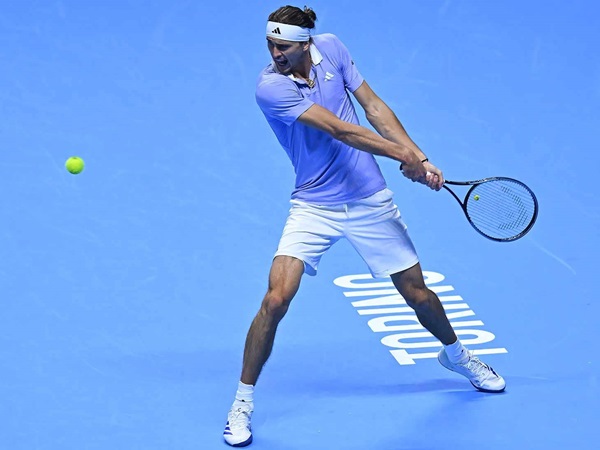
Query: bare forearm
x=387, y=124
x=364, y=139
x=359, y=137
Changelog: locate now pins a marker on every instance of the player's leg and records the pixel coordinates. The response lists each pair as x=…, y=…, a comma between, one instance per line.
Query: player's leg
x=308, y=233
x=375, y=228
x=430, y=312
x=425, y=302
x=284, y=281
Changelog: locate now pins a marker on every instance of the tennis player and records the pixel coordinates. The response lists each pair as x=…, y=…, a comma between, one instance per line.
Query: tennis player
x=340, y=192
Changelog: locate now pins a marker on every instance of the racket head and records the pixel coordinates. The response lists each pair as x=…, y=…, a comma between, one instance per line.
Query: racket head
x=501, y=209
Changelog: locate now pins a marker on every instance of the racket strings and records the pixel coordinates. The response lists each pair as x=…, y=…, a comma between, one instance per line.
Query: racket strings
x=501, y=209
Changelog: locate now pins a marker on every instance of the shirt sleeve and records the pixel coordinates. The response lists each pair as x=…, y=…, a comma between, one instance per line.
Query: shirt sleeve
x=279, y=98
x=352, y=77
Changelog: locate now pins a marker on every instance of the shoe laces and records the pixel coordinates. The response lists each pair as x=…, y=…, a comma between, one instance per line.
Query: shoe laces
x=239, y=418
x=477, y=367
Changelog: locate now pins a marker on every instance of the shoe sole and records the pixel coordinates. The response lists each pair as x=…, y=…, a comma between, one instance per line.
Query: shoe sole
x=489, y=391
x=241, y=444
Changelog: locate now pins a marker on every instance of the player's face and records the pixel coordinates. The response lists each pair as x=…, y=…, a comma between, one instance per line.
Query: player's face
x=287, y=55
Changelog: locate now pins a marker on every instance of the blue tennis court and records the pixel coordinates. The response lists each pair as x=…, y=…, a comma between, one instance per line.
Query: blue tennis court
x=127, y=290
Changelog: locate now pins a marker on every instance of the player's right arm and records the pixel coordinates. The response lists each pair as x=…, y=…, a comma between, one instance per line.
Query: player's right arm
x=364, y=139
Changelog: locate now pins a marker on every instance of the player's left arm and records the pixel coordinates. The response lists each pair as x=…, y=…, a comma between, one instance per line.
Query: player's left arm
x=388, y=125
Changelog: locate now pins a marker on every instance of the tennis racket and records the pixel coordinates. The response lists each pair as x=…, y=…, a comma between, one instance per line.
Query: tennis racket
x=499, y=208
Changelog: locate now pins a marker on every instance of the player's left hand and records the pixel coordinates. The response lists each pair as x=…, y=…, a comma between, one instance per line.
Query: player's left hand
x=435, y=177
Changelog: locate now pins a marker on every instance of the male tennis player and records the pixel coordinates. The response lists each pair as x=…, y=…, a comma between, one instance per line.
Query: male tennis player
x=339, y=193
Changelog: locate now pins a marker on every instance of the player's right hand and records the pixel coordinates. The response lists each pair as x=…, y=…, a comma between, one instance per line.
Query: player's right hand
x=435, y=177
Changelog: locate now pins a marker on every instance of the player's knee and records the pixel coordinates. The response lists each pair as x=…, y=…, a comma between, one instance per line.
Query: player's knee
x=275, y=304
x=417, y=298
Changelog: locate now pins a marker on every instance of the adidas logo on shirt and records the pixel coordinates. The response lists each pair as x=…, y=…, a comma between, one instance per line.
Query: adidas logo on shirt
x=328, y=76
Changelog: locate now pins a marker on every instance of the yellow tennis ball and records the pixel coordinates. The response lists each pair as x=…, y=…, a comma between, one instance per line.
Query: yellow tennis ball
x=476, y=197
x=75, y=164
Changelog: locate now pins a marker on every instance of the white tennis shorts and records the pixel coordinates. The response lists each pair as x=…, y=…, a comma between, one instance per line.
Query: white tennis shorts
x=373, y=226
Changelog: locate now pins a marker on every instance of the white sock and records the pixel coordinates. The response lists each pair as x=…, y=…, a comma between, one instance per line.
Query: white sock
x=457, y=353
x=245, y=393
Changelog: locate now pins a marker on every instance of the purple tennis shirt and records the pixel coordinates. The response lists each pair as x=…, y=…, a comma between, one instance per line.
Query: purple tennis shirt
x=328, y=172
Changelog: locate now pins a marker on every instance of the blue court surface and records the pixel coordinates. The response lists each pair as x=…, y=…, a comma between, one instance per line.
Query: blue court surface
x=127, y=290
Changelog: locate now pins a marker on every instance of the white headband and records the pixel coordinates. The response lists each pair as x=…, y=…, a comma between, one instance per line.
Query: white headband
x=287, y=32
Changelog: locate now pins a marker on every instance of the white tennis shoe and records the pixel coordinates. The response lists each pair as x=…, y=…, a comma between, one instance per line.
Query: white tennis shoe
x=238, y=431
x=481, y=376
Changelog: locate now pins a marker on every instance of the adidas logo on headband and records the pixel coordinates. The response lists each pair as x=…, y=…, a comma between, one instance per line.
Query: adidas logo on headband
x=288, y=32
